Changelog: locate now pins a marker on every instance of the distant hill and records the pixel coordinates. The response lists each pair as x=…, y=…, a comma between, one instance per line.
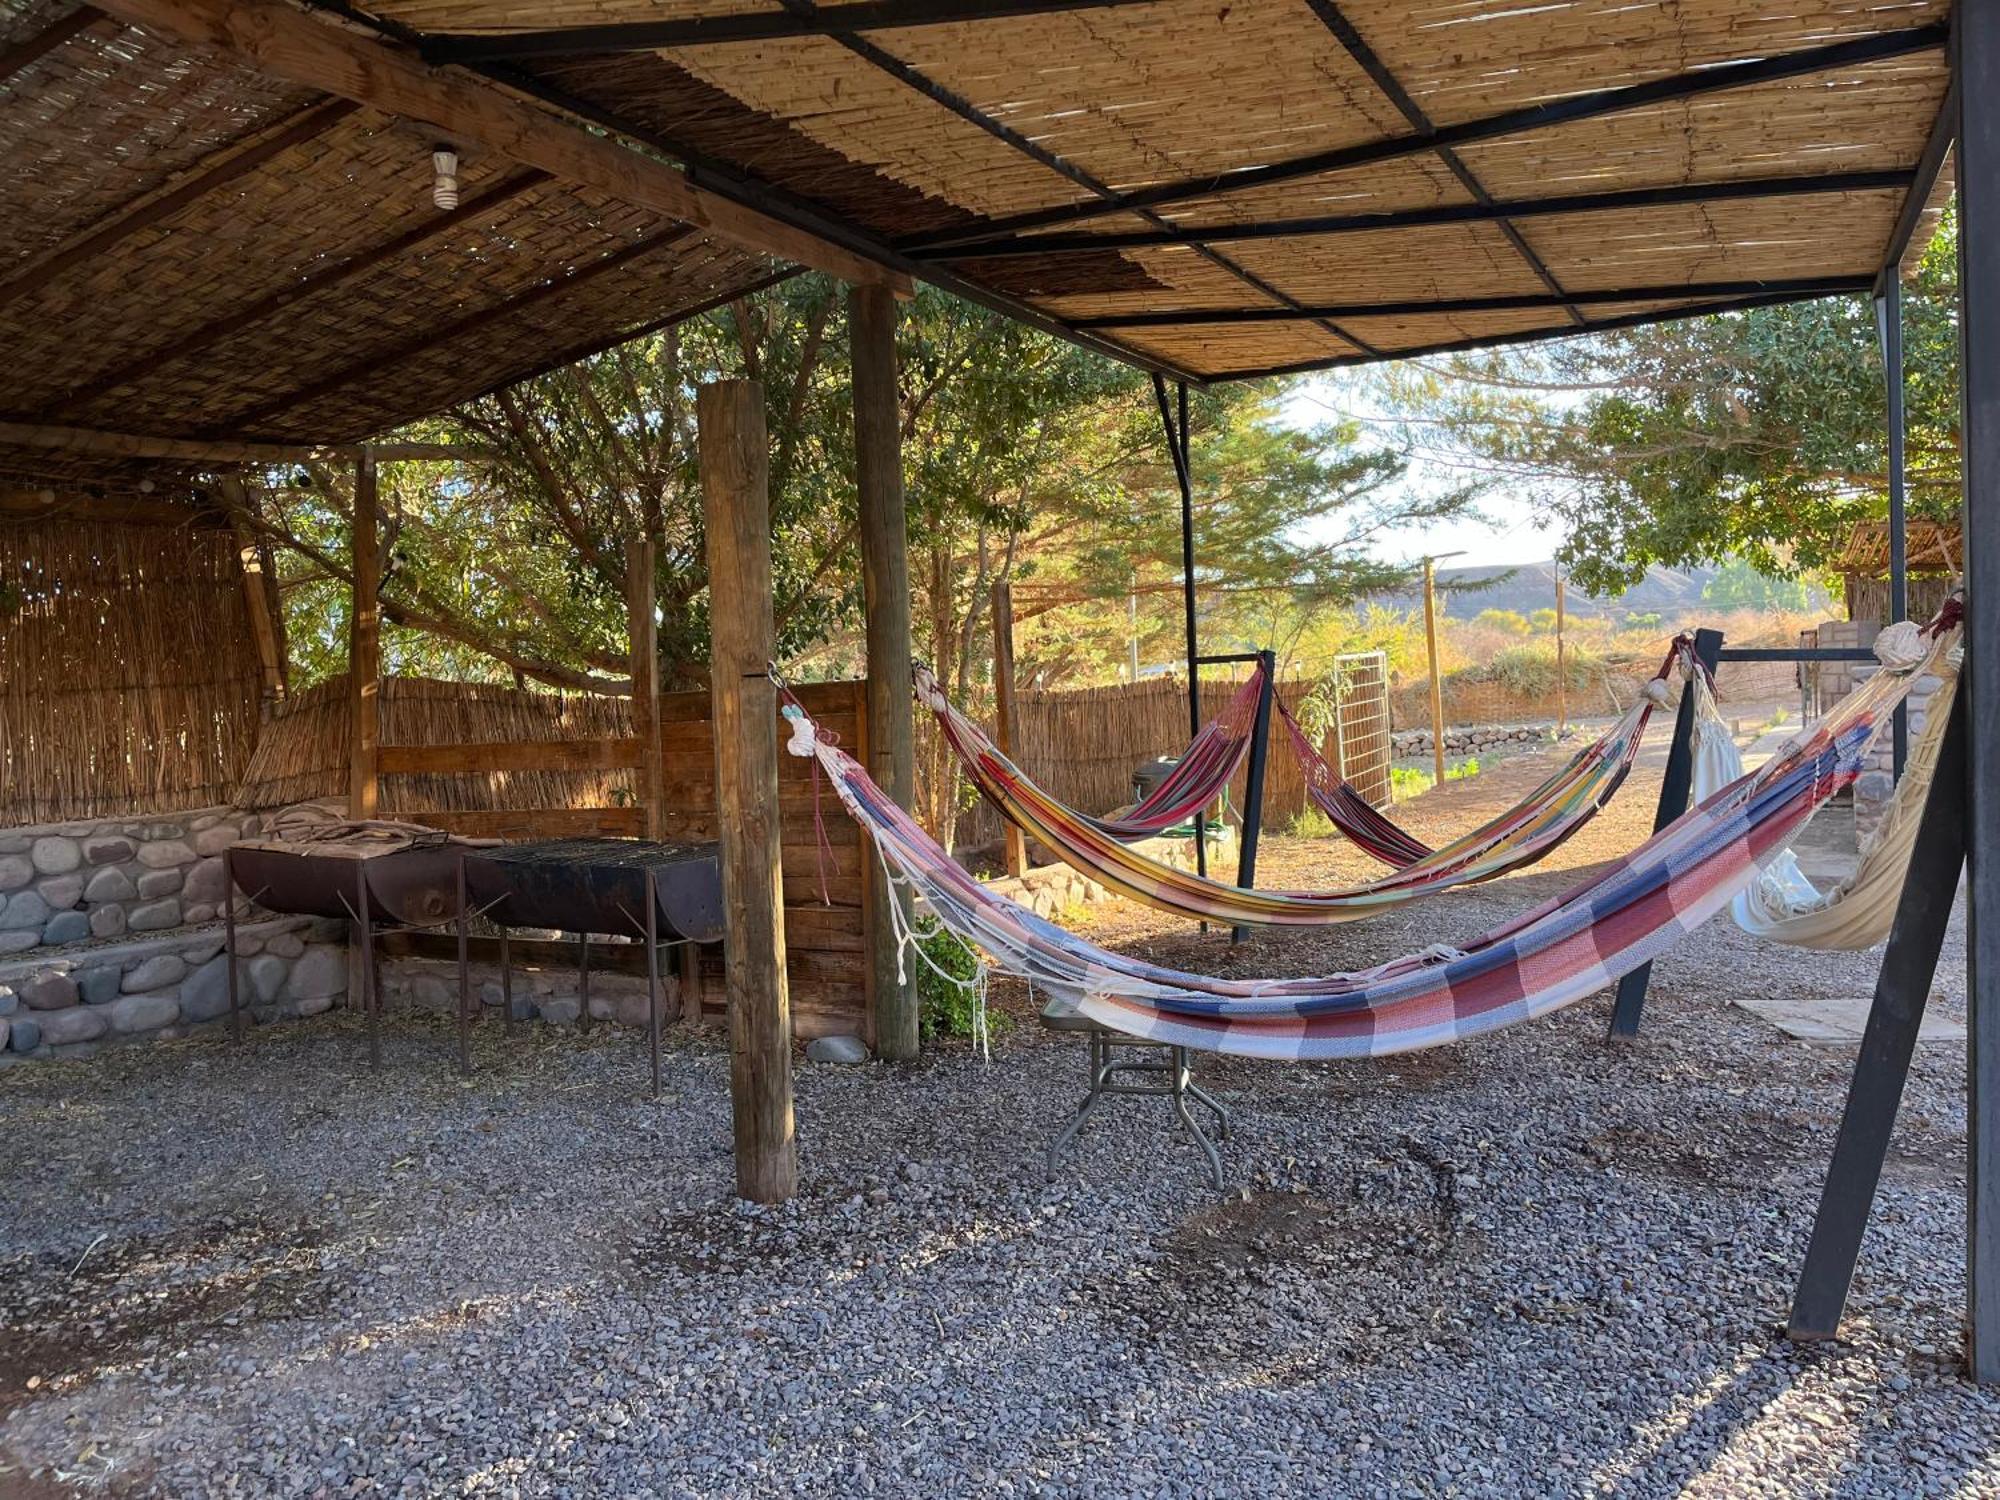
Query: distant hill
x=1667, y=592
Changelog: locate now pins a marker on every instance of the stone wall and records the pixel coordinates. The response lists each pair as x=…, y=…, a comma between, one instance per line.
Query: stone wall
x=1473, y=738
x=1049, y=890
x=64, y=883
x=75, y=1002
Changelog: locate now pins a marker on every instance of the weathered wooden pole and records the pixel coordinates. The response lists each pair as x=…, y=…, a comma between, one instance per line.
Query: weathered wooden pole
x=642, y=628
x=364, y=646
x=1004, y=714
x=736, y=511
x=1437, y=686
x=885, y=586
x=1562, y=680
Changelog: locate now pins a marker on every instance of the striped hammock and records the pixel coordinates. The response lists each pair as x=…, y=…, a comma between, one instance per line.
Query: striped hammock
x=1552, y=956
x=1200, y=772
x=1514, y=840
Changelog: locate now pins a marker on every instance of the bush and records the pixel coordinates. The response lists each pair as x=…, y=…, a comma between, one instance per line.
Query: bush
x=1312, y=824
x=1510, y=621
x=1543, y=620
x=946, y=1008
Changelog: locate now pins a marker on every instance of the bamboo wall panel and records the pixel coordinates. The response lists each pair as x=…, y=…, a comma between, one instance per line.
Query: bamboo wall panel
x=128, y=678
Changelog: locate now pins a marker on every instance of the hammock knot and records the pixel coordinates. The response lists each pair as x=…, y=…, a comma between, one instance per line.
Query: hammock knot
x=926, y=684
x=804, y=742
x=1901, y=646
x=1657, y=692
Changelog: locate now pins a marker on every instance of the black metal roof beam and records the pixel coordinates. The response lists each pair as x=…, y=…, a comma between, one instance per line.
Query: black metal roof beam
x=1370, y=62
x=1536, y=335
x=1526, y=120
x=1923, y=182
x=1520, y=302
x=1445, y=213
x=931, y=89
x=760, y=26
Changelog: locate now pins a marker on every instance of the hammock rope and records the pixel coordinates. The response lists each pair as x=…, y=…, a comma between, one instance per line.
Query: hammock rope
x=1552, y=956
x=1514, y=840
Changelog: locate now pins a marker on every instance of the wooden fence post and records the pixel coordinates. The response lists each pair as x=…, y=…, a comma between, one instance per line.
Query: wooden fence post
x=885, y=586
x=1004, y=712
x=364, y=645
x=643, y=632
x=1437, y=684
x=736, y=511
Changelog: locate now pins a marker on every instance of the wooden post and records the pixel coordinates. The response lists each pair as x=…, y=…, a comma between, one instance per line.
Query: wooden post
x=642, y=627
x=1562, y=684
x=1437, y=686
x=736, y=511
x=885, y=585
x=260, y=595
x=1003, y=708
x=364, y=646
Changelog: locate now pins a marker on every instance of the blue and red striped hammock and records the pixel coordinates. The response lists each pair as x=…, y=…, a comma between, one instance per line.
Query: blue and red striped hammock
x=1550, y=957
x=1514, y=840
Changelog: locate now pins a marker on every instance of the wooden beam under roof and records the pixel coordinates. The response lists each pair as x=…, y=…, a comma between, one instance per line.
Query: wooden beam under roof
x=59, y=439
x=276, y=39
x=756, y=26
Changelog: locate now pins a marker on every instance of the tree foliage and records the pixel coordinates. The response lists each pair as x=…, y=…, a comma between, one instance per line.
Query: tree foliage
x=1758, y=434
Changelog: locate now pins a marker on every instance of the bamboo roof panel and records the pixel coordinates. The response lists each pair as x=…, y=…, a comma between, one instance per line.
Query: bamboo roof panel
x=1249, y=346
x=474, y=16
x=1181, y=272
x=1838, y=234
x=1859, y=119
x=106, y=118
x=1462, y=59
x=1394, y=265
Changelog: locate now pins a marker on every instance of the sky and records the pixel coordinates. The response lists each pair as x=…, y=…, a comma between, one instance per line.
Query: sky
x=1506, y=536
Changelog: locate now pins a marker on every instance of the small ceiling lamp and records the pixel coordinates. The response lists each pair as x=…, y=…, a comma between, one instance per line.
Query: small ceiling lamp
x=444, y=188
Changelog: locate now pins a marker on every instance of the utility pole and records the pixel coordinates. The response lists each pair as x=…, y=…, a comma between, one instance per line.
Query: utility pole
x=1562, y=675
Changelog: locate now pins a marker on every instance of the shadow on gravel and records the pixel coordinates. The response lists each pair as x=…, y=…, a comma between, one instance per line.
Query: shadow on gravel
x=64, y=1320
x=1277, y=1286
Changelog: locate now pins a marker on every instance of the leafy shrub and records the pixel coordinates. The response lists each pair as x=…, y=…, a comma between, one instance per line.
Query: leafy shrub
x=1312, y=824
x=1511, y=621
x=946, y=1008
x=1543, y=620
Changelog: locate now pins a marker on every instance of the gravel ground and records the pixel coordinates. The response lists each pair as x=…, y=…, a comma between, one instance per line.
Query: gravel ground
x=1530, y=1265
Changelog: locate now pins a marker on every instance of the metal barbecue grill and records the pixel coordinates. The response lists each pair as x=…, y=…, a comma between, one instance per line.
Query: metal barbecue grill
x=626, y=888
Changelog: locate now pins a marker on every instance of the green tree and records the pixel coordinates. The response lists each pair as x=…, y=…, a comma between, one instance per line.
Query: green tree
x=1739, y=585
x=1757, y=434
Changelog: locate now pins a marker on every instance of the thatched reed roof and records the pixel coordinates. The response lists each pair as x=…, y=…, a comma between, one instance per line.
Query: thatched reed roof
x=217, y=224
x=1229, y=188
x=1929, y=547
x=196, y=249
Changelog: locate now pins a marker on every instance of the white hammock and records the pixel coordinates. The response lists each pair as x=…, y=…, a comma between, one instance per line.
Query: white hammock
x=1782, y=904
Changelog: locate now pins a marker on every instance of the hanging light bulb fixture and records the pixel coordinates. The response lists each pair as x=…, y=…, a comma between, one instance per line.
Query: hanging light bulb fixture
x=444, y=187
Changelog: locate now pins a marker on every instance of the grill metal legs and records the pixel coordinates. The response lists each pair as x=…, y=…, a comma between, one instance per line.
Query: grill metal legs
x=1146, y=1077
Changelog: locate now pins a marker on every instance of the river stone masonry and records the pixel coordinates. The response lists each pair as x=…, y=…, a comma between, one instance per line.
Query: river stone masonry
x=76, y=1002
x=66, y=883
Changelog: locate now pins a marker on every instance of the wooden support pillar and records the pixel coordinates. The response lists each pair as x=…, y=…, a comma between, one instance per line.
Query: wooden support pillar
x=1437, y=683
x=885, y=583
x=364, y=646
x=1976, y=58
x=260, y=603
x=1004, y=715
x=1562, y=659
x=643, y=631
x=736, y=511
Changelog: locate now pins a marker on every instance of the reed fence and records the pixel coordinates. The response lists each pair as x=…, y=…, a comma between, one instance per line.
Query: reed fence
x=129, y=679
x=304, y=750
